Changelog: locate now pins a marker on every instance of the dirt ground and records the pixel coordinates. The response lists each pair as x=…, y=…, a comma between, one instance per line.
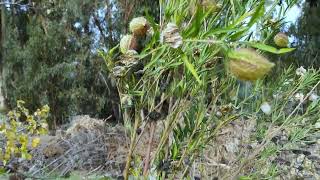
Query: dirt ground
x=93, y=146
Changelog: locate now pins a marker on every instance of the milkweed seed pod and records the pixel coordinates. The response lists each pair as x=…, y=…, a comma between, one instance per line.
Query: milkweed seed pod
x=210, y=5
x=281, y=40
x=139, y=26
x=129, y=58
x=171, y=36
x=247, y=64
x=206, y=5
x=119, y=71
x=128, y=42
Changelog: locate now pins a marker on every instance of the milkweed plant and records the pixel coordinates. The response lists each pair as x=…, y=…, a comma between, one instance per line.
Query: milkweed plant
x=180, y=70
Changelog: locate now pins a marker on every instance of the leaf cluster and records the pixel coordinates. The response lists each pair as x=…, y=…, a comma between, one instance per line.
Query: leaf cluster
x=19, y=131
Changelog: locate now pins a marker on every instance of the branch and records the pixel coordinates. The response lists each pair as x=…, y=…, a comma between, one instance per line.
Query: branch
x=16, y=4
x=147, y=160
x=109, y=22
x=97, y=23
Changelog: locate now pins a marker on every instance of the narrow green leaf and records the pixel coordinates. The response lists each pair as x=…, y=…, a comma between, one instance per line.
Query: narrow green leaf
x=194, y=28
x=268, y=48
x=191, y=68
x=156, y=56
x=175, y=64
x=285, y=50
x=241, y=19
x=257, y=14
x=112, y=51
x=223, y=30
x=263, y=47
x=239, y=34
x=244, y=178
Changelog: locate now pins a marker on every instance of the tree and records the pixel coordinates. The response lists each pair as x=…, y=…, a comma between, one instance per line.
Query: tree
x=306, y=34
x=52, y=54
x=2, y=39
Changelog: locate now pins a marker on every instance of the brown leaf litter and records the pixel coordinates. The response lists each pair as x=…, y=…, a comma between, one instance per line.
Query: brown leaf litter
x=88, y=145
x=93, y=146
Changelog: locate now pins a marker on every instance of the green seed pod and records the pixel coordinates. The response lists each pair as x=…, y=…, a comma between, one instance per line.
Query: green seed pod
x=139, y=26
x=206, y=5
x=128, y=42
x=210, y=5
x=281, y=40
x=247, y=64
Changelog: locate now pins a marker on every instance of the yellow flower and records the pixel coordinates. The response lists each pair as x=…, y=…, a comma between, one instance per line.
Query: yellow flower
x=35, y=142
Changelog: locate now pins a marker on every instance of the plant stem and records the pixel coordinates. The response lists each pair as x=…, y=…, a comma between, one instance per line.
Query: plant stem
x=129, y=156
x=147, y=161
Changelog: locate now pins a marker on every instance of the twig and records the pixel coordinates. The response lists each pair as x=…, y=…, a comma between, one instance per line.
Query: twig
x=96, y=169
x=177, y=108
x=140, y=135
x=147, y=161
x=60, y=157
x=204, y=41
x=144, y=118
x=129, y=156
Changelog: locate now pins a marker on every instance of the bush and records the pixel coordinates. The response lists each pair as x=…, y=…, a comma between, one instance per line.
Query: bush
x=181, y=73
x=19, y=131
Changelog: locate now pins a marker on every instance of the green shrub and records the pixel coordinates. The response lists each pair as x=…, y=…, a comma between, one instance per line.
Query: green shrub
x=181, y=76
x=20, y=130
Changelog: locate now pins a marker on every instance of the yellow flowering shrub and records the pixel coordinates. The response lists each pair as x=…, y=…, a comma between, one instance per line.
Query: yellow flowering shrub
x=19, y=131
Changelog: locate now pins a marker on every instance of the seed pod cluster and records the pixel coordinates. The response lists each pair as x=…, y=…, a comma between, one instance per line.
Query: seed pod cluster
x=139, y=27
x=247, y=64
x=130, y=45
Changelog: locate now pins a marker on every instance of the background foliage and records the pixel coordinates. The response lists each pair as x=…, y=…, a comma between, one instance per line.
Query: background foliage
x=306, y=35
x=49, y=54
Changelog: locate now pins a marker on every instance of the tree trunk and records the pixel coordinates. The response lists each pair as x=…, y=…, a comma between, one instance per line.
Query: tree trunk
x=108, y=19
x=2, y=40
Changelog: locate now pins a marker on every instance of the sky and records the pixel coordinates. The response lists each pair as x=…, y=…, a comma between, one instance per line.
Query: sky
x=293, y=14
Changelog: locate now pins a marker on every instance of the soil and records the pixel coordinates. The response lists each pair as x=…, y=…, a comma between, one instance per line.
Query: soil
x=93, y=146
